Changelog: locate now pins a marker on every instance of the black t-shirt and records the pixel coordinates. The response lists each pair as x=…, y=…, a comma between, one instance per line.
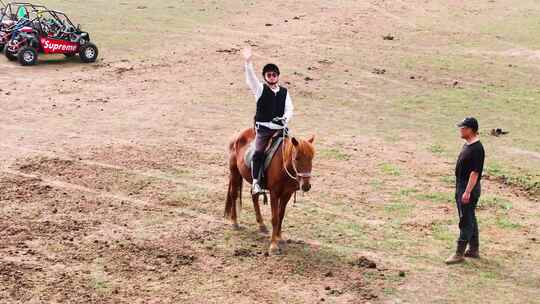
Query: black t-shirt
x=470, y=159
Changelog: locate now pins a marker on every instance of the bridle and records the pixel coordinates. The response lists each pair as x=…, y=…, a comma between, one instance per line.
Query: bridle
x=296, y=176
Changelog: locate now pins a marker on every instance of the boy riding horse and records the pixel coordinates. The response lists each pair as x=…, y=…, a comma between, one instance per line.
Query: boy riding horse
x=274, y=112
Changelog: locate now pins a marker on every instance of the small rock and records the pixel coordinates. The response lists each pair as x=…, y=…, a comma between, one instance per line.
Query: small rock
x=364, y=263
x=498, y=132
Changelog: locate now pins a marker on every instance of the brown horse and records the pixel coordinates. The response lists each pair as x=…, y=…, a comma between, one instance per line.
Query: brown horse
x=289, y=171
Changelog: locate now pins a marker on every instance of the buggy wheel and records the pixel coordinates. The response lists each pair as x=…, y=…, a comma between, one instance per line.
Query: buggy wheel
x=10, y=56
x=88, y=52
x=28, y=56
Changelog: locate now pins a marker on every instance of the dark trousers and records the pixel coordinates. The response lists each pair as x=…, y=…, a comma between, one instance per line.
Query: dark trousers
x=468, y=225
x=262, y=137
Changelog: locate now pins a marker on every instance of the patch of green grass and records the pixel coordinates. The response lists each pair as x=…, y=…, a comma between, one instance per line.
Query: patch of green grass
x=494, y=169
x=390, y=169
x=448, y=62
x=99, y=278
x=407, y=191
x=495, y=201
x=505, y=223
x=449, y=179
x=441, y=232
x=333, y=153
x=489, y=275
x=439, y=110
x=376, y=184
x=517, y=28
x=436, y=149
x=398, y=208
x=124, y=26
x=436, y=197
x=528, y=182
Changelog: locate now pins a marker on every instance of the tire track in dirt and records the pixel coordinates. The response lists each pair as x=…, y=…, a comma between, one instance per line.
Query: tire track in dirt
x=118, y=197
x=154, y=174
x=323, y=207
x=201, y=218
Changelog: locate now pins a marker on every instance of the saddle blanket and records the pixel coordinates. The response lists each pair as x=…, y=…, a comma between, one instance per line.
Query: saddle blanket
x=269, y=154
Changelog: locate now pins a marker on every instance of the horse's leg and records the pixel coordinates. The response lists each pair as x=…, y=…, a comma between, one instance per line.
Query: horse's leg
x=274, y=204
x=258, y=216
x=284, y=199
x=235, y=190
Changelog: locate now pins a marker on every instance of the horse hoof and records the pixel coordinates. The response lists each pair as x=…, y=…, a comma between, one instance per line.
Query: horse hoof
x=263, y=230
x=235, y=227
x=275, y=250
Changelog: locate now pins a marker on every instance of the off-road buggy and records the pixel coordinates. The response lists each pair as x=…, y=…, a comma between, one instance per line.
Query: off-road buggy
x=51, y=32
x=14, y=16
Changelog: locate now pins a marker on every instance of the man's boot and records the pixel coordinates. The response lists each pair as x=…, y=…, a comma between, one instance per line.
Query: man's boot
x=256, y=166
x=458, y=257
x=473, y=251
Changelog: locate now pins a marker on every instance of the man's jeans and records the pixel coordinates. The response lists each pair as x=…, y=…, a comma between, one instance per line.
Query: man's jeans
x=468, y=225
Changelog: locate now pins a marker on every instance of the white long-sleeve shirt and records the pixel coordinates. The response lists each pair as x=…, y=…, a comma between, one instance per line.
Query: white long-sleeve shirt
x=257, y=88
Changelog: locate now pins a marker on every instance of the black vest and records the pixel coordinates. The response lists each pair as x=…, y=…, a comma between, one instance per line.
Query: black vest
x=270, y=105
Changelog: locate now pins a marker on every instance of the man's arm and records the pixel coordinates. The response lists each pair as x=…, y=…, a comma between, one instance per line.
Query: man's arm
x=251, y=78
x=473, y=179
x=289, y=109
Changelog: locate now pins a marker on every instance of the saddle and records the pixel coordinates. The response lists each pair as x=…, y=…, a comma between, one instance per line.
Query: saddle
x=269, y=153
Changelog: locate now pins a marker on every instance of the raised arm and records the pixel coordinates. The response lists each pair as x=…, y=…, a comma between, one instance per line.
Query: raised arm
x=251, y=78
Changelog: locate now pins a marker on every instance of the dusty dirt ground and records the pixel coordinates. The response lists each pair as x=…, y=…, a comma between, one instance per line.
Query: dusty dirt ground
x=114, y=174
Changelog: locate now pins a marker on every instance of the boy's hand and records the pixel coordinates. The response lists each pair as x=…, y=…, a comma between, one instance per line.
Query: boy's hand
x=246, y=53
x=466, y=198
x=279, y=121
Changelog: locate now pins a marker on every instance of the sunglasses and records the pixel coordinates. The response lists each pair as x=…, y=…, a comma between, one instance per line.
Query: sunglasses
x=272, y=74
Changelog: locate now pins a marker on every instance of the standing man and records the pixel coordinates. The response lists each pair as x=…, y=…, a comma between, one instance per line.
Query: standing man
x=469, y=167
x=274, y=111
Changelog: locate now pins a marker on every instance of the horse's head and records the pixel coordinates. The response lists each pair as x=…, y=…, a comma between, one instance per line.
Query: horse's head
x=302, y=158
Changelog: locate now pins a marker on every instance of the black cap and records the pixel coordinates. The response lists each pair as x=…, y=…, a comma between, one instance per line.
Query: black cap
x=270, y=68
x=469, y=122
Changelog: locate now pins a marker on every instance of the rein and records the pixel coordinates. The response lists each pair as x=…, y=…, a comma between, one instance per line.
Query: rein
x=296, y=175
